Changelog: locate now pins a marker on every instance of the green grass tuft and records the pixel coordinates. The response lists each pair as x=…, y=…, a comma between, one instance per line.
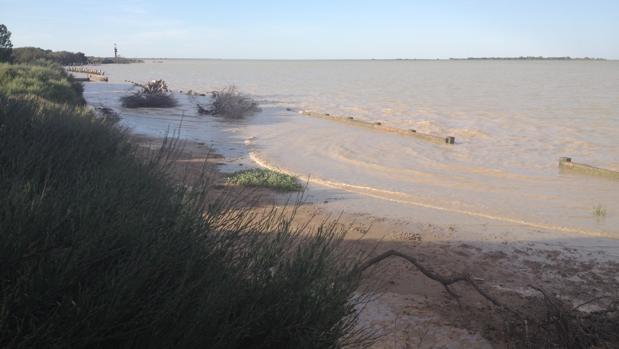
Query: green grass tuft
x=259, y=177
x=599, y=211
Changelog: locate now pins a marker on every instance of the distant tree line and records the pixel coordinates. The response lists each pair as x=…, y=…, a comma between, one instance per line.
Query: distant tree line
x=30, y=54
x=109, y=60
x=533, y=58
x=22, y=55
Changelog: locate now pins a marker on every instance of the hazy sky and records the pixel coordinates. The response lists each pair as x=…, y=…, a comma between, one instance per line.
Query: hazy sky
x=318, y=28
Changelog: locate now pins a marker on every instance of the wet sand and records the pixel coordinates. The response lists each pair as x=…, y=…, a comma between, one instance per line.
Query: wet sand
x=412, y=311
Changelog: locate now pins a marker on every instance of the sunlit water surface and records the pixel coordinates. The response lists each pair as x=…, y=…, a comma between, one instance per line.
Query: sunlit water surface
x=512, y=120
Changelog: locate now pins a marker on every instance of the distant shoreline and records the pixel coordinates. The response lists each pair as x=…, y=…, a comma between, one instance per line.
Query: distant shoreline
x=144, y=59
x=528, y=58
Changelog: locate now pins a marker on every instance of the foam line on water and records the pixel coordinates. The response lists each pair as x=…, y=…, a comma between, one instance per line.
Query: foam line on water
x=407, y=199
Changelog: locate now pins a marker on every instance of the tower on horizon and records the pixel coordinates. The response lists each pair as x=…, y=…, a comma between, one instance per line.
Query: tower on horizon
x=115, y=53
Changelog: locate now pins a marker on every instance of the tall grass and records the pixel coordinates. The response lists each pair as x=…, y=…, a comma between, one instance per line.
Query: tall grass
x=100, y=249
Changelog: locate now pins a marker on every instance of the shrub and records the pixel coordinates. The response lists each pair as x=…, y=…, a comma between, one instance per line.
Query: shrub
x=100, y=249
x=259, y=177
x=229, y=102
x=42, y=78
x=154, y=94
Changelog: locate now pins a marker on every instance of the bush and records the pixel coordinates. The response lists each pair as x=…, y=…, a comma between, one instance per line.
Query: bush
x=154, y=94
x=99, y=249
x=44, y=79
x=229, y=102
x=259, y=177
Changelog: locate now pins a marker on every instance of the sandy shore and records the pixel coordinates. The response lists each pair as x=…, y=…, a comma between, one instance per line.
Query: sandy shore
x=412, y=311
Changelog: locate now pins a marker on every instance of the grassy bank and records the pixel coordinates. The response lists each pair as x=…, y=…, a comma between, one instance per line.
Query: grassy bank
x=99, y=248
x=43, y=79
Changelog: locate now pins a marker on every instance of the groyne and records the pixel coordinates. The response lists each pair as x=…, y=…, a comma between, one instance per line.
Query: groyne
x=379, y=126
x=566, y=163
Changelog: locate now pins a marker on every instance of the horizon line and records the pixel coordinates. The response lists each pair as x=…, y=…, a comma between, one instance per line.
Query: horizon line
x=498, y=58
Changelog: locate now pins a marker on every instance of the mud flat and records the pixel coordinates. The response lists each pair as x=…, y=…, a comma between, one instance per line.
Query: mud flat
x=409, y=309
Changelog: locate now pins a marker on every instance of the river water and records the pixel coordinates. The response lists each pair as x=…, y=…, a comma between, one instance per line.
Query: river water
x=512, y=120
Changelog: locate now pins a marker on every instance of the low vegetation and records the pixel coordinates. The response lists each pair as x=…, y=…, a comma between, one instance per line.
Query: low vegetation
x=100, y=249
x=154, y=94
x=599, y=211
x=264, y=178
x=230, y=103
x=45, y=79
x=113, y=60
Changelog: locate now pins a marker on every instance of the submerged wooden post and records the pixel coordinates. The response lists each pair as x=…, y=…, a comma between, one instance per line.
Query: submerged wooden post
x=378, y=125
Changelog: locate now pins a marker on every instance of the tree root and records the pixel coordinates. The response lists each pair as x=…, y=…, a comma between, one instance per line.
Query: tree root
x=560, y=325
x=446, y=281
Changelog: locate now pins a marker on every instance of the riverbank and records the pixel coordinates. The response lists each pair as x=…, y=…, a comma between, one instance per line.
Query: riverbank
x=505, y=256
x=512, y=122
x=102, y=245
x=411, y=310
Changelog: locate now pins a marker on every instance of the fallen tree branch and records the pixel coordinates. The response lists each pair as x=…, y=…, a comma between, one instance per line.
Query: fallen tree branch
x=446, y=281
x=558, y=325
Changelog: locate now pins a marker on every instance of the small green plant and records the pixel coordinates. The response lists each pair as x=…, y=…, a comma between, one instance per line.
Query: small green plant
x=599, y=211
x=259, y=177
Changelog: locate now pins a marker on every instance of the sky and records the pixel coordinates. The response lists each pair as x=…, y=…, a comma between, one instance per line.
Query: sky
x=318, y=29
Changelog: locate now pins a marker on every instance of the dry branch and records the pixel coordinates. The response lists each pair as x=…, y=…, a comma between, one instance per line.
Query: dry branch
x=446, y=281
x=229, y=102
x=561, y=325
x=154, y=94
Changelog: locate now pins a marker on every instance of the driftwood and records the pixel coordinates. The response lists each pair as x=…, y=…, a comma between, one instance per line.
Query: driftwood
x=558, y=326
x=230, y=103
x=446, y=281
x=107, y=114
x=153, y=87
x=203, y=110
x=154, y=94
